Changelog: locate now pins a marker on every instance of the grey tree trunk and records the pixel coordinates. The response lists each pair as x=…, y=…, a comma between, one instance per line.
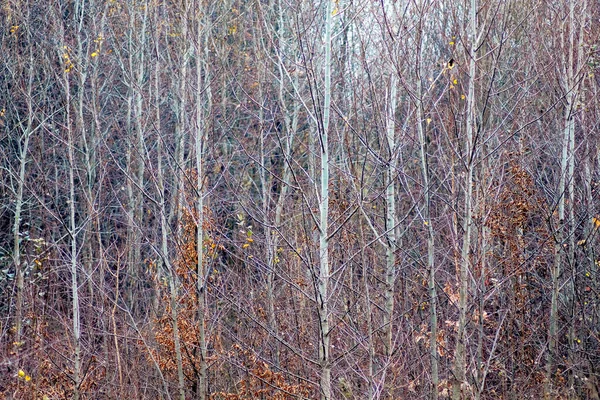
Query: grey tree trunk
x=390, y=220
x=167, y=268
x=171, y=276
x=463, y=278
x=76, y=321
x=571, y=65
x=433, y=344
x=23, y=157
x=324, y=268
x=203, y=106
x=163, y=251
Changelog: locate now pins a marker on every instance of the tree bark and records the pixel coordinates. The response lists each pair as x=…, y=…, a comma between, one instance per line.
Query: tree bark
x=324, y=268
x=203, y=106
x=468, y=162
x=390, y=221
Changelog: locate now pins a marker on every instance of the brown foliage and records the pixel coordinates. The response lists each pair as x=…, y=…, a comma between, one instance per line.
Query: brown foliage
x=260, y=381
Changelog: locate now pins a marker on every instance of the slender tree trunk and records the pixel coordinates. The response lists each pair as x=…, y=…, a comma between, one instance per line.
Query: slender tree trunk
x=324, y=268
x=287, y=141
x=424, y=156
x=23, y=157
x=485, y=243
x=172, y=277
x=175, y=322
x=203, y=106
x=390, y=223
x=369, y=324
x=167, y=268
x=177, y=202
x=570, y=68
x=433, y=352
x=460, y=355
x=73, y=240
x=138, y=70
x=164, y=251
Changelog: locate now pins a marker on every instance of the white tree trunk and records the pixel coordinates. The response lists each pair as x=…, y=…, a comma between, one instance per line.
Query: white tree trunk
x=203, y=105
x=390, y=220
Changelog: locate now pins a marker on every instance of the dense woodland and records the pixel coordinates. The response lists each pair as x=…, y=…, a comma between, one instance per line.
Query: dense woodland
x=287, y=199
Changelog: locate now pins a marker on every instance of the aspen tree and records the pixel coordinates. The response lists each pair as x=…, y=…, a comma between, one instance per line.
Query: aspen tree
x=323, y=300
x=23, y=156
x=136, y=69
x=163, y=247
x=390, y=221
x=203, y=105
x=165, y=216
x=74, y=269
x=424, y=159
x=570, y=69
x=460, y=354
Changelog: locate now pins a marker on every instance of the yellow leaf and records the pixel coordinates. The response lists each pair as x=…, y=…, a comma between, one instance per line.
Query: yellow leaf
x=27, y=378
x=246, y=245
x=21, y=373
x=95, y=54
x=455, y=81
x=451, y=43
x=428, y=121
x=581, y=242
x=596, y=222
x=462, y=96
